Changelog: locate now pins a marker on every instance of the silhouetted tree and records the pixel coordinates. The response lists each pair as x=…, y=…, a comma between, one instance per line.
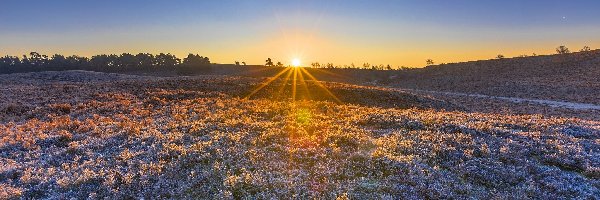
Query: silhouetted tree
x=268, y=62
x=562, y=50
x=194, y=63
x=145, y=61
x=366, y=65
x=244, y=63
x=166, y=61
x=57, y=62
x=329, y=65
x=586, y=48
x=10, y=64
x=316, y=65
x=35, y=62
x=103, y=62
x=76, y=62
x=126, y=62
x=279, y=64
x=377, y=67
x=106, y=63
x=500, y=56
x=388, y=67
x=237, y=63
x=429, y=62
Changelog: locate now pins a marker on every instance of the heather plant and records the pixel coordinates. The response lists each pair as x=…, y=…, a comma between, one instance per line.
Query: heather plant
x=195, y=137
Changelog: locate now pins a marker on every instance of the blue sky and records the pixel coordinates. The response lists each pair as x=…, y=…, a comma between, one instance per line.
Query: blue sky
x=344, y=32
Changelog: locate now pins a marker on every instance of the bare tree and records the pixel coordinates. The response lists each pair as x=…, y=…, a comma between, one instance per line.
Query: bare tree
x=562, y=50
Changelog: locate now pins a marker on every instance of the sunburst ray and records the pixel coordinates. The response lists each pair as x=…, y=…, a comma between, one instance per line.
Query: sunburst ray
x=284, y=83
x=304, y=85
x=321, y=85
x=266, y=83
x=294, y=83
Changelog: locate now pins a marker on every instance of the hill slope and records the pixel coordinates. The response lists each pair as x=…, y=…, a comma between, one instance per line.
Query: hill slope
x=571, y=77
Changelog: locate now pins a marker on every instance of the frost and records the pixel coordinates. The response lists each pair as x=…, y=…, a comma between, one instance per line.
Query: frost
x=196, y=137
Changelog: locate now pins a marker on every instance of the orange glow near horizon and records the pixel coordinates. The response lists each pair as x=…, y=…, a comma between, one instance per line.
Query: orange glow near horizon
x=305, y=44
x=321, y=50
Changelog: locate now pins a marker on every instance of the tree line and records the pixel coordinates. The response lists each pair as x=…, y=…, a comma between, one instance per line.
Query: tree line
x=193, y=63
x=105, y=63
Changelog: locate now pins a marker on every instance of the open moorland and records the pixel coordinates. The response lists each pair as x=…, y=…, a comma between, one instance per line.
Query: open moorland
x=100, y=135
x=522, y=85
x=572, y=77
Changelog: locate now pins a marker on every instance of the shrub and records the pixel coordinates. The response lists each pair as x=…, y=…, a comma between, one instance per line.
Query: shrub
x=562, y=50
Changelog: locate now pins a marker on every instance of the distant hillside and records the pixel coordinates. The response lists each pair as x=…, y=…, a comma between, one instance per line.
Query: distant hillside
x=569, y=77
x=573, y=77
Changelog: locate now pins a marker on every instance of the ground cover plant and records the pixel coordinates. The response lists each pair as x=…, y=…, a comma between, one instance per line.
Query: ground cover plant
x=96, y=135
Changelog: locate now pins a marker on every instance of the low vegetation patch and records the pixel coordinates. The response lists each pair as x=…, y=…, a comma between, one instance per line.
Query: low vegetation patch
x=197, y=137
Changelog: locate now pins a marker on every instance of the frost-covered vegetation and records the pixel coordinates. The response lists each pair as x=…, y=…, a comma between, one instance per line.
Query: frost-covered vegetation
x=95, y=135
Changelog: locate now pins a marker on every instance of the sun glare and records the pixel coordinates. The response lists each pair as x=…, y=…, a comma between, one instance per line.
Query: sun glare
x=296, y=62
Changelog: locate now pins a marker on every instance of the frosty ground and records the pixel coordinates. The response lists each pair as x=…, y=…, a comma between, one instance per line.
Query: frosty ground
x=96, y=135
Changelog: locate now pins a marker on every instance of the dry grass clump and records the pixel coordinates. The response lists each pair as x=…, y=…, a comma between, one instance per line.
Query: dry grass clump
x=150, y=140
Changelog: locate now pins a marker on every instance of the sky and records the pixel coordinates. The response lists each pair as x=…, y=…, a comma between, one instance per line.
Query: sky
x=398, y=32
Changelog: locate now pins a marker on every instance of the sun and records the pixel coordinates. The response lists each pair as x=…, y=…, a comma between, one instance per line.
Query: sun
x=296, y=62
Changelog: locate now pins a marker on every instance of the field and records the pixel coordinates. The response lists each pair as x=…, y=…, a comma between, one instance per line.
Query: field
x=98, y=135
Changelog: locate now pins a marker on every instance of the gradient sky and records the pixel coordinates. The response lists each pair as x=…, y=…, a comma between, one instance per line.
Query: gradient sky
x=343, y=32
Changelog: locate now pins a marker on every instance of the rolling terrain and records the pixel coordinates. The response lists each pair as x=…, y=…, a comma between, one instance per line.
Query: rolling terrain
x=573, y=77
x=98, y=135
x=564, y=85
